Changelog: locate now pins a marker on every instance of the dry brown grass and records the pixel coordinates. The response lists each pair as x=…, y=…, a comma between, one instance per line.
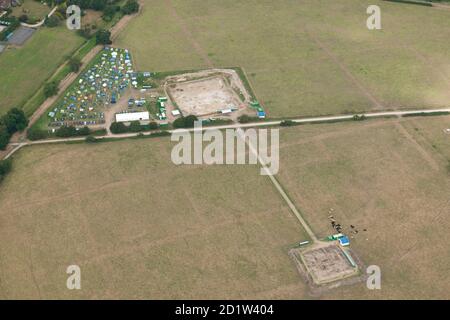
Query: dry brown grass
x=377, y=177
x=139, y=227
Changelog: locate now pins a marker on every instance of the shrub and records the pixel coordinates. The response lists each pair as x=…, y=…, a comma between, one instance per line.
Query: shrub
x=51, y=89
x=185, y=122
x=244, y=119
x=71, y=131
x=14, y=120
x=23, y=18
x=132, y=6
x=91, y=139
x=103, y=37
x=287, y=123
x=153, y=125
x=5, y=168
x=74, y=64
x=52, y=21
x=109, y=12
x=4, y=137
x=118, y=127
x=36, y=134
x=357, y=117
x=135, y=126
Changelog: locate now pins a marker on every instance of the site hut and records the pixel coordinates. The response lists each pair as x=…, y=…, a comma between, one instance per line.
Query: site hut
x=133, y=116
x=344, y=241
x=261, y=113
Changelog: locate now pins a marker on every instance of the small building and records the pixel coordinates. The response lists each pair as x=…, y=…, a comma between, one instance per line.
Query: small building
x=132, y=116
x=344, y=241
x=226, y=111
x=261, y=114
x=176, y=112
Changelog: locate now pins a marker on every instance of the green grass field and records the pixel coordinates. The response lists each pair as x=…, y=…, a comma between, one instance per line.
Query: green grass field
x=25, y=69
x=304, y=57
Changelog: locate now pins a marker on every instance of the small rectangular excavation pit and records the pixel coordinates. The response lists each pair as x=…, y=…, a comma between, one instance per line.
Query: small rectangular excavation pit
x=326, y=266
x=208, y=93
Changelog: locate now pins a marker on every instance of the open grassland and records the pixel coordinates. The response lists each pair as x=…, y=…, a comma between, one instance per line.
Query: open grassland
x=386, y=176
x=23, y=70
x=140, y=227
x=306, y=57
x=32, y=8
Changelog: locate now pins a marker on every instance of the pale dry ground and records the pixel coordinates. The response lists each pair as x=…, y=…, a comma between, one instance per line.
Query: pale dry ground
x=308, y=57
x=139, y=227
x=380, y=175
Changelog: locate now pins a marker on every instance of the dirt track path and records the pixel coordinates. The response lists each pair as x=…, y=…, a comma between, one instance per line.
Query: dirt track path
x=184, y=27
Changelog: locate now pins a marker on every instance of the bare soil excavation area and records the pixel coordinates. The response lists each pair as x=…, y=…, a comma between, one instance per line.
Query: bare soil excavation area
x=203, y=97
x=208, y=92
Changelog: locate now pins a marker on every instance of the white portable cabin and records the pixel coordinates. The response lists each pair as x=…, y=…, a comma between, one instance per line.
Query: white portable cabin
x=132, y=116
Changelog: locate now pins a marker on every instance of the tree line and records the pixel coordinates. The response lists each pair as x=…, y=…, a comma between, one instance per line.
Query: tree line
x=14, y=120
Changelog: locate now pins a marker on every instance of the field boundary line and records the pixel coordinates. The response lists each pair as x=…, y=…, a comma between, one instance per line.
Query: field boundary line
x=316, y=120
x=280, y=190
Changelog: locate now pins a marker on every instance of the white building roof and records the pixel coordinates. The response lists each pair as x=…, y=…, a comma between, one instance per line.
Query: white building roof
x=132, y=116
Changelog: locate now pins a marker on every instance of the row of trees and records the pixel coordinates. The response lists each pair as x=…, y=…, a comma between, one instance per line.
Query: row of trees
x=5, y=168
x=135, y=126
x=14, y=120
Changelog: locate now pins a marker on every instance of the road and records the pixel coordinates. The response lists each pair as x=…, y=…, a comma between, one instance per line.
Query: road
x=18, y=145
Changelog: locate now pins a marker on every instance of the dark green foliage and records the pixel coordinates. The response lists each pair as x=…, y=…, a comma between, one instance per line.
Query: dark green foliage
x=4, y=137
x=118, y=127
x=14, y=120
x=36, y=134
x=244, y=119
x=74, y=64
x=23, y=18
x=135, y=126
x=357, y=117
x=14, y=24
x=91, y=139
x=287, y=123
x=71, y=131
x=132, y=6
x=185, y=122
x=109, y=12
x=103, y=37
x=51, y=89
x=153, y=125
x=52, y=21
x=5, y=168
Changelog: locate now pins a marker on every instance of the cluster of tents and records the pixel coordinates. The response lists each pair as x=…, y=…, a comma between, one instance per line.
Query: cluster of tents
x=99, y=86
